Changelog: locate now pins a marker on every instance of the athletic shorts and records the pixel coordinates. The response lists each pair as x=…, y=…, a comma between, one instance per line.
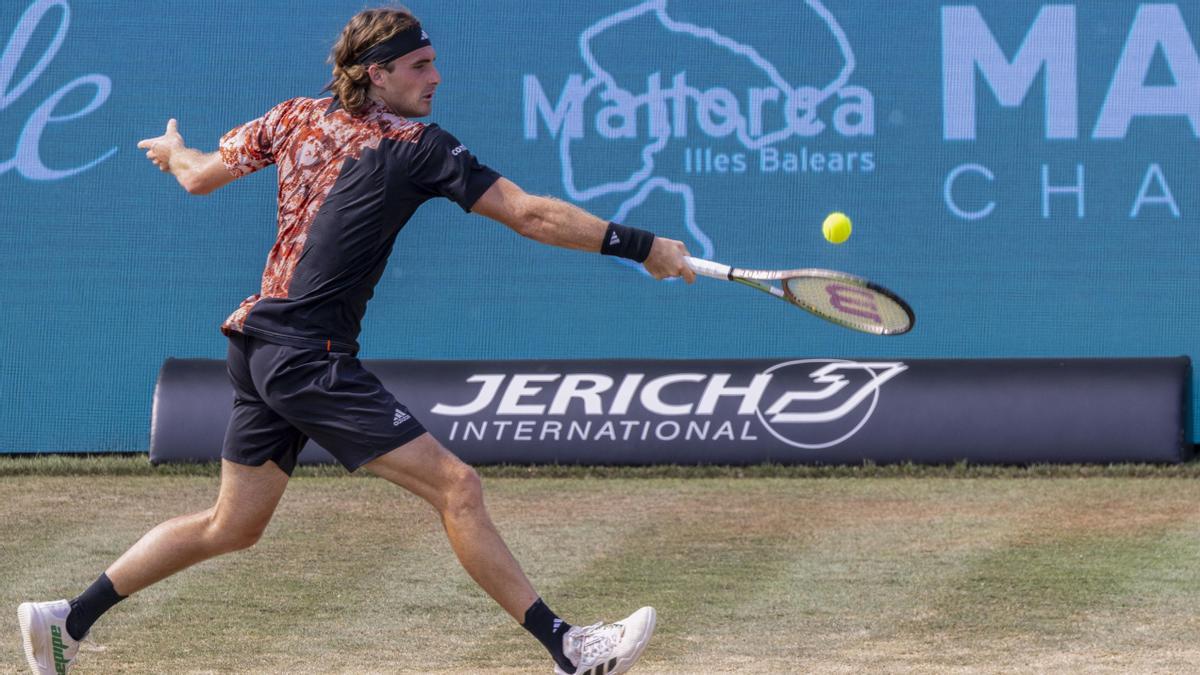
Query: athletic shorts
x=284, y=396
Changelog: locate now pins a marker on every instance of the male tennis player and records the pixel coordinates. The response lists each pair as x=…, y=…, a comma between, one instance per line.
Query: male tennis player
x=353, y=169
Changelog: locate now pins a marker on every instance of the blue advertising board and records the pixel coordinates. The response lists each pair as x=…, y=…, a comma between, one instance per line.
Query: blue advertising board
x=1021, y=171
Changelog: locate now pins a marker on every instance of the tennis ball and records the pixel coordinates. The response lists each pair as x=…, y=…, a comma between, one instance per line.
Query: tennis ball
x=836, y=227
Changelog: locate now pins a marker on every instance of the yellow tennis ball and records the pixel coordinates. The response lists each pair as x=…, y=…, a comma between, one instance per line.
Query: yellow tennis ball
x=836, y=227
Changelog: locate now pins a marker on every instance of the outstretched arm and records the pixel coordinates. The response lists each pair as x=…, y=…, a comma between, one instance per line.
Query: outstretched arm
x=199, y=173
x=558, y=223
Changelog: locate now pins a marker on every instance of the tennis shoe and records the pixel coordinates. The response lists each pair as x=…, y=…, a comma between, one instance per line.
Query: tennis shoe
x=608, y=648
x=49, y=648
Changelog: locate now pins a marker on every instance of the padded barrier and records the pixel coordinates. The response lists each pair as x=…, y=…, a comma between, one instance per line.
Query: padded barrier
x=799, y=411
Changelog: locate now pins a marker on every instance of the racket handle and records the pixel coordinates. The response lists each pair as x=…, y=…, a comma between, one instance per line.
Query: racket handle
x=707, y=268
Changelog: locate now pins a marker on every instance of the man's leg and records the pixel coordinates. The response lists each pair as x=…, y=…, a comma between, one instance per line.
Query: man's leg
x=51, y=631
x=426, y=468
x=430, y=471
x=245, y=503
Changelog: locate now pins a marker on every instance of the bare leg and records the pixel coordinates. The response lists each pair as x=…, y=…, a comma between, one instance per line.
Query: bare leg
x=430, y=471
x=244, y=506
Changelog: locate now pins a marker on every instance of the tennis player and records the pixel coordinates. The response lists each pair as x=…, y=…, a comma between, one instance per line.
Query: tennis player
x=353, y=169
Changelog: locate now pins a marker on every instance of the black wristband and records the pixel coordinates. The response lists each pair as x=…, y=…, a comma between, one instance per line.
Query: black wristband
x=627, y=242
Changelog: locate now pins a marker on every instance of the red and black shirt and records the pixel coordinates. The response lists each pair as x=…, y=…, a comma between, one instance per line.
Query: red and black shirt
x=347, y=185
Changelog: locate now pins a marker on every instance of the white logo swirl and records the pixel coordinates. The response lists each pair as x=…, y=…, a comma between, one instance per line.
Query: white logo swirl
x=836, y=408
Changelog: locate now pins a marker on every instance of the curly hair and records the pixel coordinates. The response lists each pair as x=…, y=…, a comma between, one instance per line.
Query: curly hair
x=368, y=28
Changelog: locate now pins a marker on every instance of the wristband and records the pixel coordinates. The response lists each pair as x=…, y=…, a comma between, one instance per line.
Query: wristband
x=627, y=242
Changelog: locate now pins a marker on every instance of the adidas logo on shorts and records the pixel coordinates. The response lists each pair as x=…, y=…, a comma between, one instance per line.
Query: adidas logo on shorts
x=400, y=418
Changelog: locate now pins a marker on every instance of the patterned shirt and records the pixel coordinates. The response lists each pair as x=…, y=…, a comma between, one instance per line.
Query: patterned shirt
x=347, y=185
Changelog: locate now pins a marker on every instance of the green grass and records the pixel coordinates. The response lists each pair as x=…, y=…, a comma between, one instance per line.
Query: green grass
x=757, y=569
x=132, y=464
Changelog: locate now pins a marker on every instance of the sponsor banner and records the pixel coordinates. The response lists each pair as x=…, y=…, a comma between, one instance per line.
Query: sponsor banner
x=810, y=410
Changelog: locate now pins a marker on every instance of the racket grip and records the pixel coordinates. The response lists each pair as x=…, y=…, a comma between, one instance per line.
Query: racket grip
x=707, y=268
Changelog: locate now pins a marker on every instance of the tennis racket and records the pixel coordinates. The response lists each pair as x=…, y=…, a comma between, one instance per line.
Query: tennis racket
x=842, y=298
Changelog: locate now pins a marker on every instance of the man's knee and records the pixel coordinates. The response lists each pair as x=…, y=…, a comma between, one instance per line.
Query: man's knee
x=226, y=535
x=464, y=490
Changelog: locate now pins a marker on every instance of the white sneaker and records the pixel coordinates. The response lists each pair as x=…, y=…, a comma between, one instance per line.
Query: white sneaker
x=49, y=648
x=608, y=648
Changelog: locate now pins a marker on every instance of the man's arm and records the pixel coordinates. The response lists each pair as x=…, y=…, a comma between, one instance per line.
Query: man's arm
x=555, y=222
x=199, y=173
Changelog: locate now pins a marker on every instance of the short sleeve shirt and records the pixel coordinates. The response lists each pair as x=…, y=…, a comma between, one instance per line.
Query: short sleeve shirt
x=347, y=185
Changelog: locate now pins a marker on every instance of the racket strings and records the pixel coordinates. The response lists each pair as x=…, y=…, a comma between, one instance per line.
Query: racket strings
x=851, y=303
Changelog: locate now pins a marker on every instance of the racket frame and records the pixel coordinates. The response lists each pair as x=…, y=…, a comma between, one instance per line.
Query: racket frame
x=765, y=281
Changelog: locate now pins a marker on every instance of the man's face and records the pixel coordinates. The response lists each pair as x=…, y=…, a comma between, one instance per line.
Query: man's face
x=408, y=89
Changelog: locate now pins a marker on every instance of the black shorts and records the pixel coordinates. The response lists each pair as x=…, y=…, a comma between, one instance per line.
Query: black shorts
x=285, y=395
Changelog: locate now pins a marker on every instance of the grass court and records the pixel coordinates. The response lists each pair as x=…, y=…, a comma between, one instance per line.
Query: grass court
x=900, y=569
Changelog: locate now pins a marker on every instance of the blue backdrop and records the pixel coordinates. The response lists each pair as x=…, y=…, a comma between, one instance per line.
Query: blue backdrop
x=1023, y=172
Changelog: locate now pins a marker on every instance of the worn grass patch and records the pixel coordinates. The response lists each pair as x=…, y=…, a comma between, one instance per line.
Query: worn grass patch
x=915, y=572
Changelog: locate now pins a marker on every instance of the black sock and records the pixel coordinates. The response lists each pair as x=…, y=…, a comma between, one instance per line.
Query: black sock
x=549, y=630
x=90, y=604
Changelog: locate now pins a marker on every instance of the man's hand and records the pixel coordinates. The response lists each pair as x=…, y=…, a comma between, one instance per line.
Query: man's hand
x=160, y=149
x=666, y=260
x=197, y=172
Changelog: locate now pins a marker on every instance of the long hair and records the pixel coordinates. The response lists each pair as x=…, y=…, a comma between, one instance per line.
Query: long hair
x=367, y=29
